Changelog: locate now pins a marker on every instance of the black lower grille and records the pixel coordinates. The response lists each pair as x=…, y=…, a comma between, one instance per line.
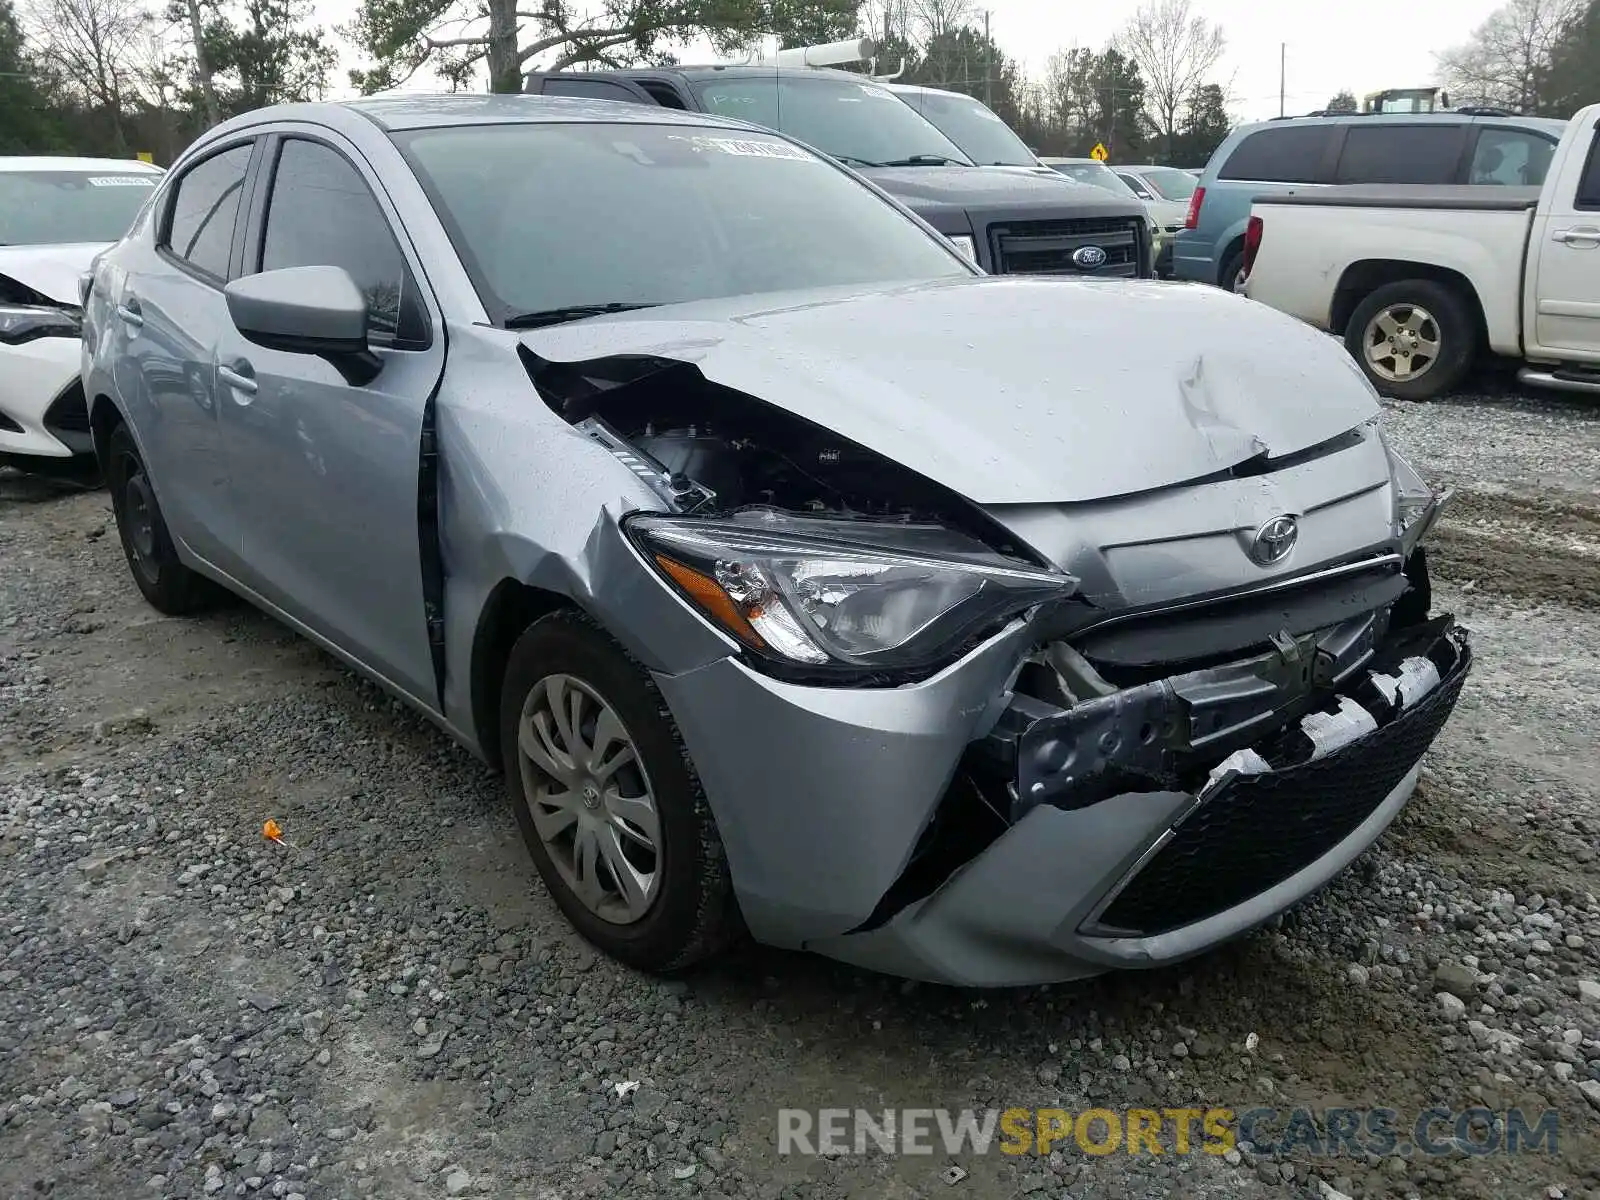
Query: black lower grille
x=1050, y=247
x=68, y=419
x=1260, y=829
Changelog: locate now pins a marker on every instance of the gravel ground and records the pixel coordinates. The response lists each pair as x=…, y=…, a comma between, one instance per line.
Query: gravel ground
x=392, y=1007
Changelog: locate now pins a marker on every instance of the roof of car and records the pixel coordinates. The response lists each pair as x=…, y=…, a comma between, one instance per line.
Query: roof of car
x=47, y=163
x=1072, y=162
x=733, y=70
x=1555, y=125
x=401, y=112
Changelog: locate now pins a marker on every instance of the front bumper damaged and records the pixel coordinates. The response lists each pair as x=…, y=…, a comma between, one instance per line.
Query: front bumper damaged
x=1121, y=850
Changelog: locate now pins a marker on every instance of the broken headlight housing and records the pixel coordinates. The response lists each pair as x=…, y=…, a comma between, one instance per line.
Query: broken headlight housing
x=820, y=592
x=1416, y=505
x=24, y=322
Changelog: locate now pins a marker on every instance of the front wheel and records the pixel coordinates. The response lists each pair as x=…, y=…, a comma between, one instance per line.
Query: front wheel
x=608, y=802
x=1415, y=339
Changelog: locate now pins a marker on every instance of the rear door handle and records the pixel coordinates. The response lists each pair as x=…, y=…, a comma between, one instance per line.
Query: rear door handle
x=1579, y=235
x=128, y=310
x=241, y=378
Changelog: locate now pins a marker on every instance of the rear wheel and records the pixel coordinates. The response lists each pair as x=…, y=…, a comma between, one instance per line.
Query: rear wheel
x=165, y=582
x=608, y=802
x=1231, y=276
x=1415, y=339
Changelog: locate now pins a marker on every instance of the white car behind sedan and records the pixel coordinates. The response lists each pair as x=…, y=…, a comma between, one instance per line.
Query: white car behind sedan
x=56, y=214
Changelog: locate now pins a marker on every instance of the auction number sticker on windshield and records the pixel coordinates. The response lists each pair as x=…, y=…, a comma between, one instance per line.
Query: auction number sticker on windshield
x=121, y=181
x=749, y=149
x=880, y=93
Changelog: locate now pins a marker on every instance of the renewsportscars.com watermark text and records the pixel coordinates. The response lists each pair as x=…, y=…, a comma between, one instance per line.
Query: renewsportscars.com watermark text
x=1356, y=1132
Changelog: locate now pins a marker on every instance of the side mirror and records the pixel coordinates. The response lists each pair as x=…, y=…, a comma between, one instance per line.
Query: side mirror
x=307, y=310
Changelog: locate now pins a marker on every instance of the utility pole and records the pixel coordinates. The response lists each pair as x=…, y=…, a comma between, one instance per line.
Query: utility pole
x=988, y=65
x=1283, y=58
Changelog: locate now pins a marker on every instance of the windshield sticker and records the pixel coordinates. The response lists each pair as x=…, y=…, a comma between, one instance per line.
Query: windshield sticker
x=747, y=149
x=880, y=93
x=121, y=181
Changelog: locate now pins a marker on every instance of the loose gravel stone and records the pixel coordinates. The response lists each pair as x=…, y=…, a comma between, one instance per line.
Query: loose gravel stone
x=392, y=1007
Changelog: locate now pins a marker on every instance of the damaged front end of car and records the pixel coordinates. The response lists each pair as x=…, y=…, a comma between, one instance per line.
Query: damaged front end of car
x=952, y=741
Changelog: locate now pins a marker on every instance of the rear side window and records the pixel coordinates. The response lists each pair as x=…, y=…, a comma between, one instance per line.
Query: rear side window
x=205, y=204
x=1510, y=158
x=1400, y=154
x=1291, y=154
x=591, y=89
x=1589, y=185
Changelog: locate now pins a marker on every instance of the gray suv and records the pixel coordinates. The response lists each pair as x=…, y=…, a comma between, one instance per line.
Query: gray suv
x=1008, y=222
x=1482, y=147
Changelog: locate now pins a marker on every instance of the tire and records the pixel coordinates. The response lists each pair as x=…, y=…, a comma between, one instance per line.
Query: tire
x=1396, y=356
x=1232, y=267
x=166, y=583
x=686, y=911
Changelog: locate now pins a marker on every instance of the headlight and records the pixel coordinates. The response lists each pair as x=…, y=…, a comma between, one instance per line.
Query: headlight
x=963, y=243
x=817, y=592
x=24, y=322
x=1416, y=505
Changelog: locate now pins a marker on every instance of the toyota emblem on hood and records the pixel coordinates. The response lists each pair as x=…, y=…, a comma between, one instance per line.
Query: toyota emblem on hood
x=1089, y=257
x=1274, y=540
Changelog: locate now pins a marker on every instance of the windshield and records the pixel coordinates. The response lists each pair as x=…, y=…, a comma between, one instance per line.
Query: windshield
x=41, y=208
x=860, y=123
x=986, y=139
x=550, y=216
x=1169, y=183
x=1098, y=174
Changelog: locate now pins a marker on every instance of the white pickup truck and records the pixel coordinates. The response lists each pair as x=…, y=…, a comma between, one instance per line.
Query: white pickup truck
x=1420, y=280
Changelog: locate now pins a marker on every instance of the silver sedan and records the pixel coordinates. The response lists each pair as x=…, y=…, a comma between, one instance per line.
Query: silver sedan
x=805, y=582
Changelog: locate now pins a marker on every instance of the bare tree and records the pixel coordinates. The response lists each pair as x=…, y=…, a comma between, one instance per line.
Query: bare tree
x=937, y=18
x=93, y=47
x=1504, y=63
x=1176, y=51
x=887, y=20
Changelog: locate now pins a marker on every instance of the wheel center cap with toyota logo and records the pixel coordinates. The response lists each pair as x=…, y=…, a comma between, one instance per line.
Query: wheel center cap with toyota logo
x=1089, y=258
x=1274, y=540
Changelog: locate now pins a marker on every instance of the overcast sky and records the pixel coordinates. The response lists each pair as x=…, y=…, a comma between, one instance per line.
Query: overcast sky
x=1362, y=45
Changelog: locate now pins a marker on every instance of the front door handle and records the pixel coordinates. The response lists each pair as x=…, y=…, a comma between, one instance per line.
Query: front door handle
x=128, y=310
x=241, y=378
x=1578, y=235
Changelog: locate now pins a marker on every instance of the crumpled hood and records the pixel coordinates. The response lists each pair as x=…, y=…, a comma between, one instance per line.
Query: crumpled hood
x=1016, y=389
x=52, y=271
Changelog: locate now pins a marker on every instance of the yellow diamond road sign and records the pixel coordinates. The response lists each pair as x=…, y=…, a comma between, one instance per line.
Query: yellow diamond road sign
x=1099, y=153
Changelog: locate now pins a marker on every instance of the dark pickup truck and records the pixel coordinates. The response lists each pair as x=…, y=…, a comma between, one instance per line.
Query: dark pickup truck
x=1008, y=222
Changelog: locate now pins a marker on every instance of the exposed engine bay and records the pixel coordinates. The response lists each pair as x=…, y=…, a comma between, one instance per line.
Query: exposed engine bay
x=707, y=450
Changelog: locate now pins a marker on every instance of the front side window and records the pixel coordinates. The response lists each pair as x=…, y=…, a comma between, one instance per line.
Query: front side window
x=1510, y=158
x=550, y=216
x=986, y=139
x=321, y=213
x=41, y=208
x=1169, y=184
x=863, y=124
x=1589, y=186
x=205, y=205
x=592, y=89
x=1400, y=154
x=1096, y=175
x=1289, y=154
x=1136, y=185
